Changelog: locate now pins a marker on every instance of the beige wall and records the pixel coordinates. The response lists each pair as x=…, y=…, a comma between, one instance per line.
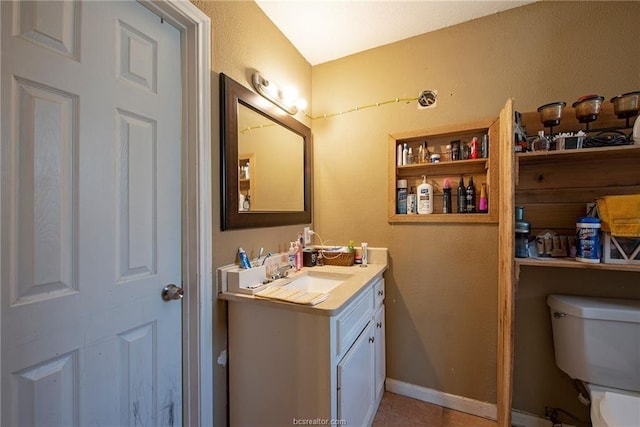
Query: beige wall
x=244, y=40
x=441, y=286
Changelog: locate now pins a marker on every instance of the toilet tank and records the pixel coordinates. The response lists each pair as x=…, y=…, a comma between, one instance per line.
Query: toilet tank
x=597, y=340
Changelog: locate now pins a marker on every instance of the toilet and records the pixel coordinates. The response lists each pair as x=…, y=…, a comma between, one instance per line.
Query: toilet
x=597, y=341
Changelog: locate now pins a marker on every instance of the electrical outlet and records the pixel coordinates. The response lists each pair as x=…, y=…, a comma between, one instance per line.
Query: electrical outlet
x=307, y=235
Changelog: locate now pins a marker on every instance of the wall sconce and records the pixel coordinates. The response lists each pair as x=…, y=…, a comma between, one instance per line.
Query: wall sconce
x=286, y=100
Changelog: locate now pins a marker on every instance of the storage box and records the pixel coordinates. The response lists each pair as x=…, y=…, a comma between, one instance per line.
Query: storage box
x=621, y=250
x=247, y=281
x=344, y=259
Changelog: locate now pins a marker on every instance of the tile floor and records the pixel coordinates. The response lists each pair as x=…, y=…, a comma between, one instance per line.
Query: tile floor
x=400, y=411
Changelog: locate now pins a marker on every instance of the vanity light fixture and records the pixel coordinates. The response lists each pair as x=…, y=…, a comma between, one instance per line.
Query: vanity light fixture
x=286, y=101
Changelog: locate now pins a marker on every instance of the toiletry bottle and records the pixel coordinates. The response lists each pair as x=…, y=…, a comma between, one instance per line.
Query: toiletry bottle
x=412, y=201
x=399, y=155
x=465, y=151
x=244, y=259
x=425, y=197
x=462, y=197
x=401, y=196
x=446, y=197
x=405, y=154
x=292, y=255
x=426, y=154
x=298, y=256
x=420, y=154
x=522, y=229
x=540, y=143
x=471, y=196
x=485, y=146
x=483, y=204
x=351, y=248
x=455, y=150
x=410, y=156
x=474, y=148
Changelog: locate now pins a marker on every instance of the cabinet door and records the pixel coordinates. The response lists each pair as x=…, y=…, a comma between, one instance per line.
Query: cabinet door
x=356, y=381
x=379, y=348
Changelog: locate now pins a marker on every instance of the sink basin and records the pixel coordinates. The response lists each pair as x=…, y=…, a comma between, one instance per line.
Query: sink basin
x=317, y=282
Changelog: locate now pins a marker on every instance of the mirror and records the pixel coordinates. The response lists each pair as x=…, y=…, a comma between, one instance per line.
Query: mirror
x=265, y=162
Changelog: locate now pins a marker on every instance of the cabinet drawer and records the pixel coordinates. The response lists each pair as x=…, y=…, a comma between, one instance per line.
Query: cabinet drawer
x=378, y=292
x=353, y=320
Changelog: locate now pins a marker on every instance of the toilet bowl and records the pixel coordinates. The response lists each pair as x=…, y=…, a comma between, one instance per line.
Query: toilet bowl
x=614, y=407
x=597, y=341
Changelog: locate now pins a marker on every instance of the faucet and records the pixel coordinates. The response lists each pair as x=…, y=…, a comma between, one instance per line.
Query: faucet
x=281, y=271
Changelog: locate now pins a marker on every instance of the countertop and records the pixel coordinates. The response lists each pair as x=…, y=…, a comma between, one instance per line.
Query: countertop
x=361, y=277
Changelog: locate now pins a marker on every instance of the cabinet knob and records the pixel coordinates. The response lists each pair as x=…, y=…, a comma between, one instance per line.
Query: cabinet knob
x=380, y=293
x=372, y=339
x=379, y=324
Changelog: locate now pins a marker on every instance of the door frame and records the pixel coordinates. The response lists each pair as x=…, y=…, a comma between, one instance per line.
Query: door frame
x=197, y=306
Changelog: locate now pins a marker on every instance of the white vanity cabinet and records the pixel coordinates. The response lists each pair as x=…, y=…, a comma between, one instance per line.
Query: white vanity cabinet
x=292, y=364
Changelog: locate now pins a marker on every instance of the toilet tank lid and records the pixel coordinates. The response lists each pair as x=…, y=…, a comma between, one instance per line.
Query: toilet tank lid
x=614, y=309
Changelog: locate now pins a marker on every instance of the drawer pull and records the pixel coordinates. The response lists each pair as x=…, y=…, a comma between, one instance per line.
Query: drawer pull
x=372, y=339
x=379, y=324
x=380, y=293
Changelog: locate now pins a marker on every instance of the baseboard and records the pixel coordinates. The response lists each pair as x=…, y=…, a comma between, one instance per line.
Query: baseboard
x=463, y=404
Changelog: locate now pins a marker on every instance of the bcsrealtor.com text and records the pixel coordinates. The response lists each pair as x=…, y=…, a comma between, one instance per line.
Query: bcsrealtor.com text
x=318, y=422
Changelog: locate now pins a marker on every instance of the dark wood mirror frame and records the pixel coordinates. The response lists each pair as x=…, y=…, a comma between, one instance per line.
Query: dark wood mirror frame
x=232, y=94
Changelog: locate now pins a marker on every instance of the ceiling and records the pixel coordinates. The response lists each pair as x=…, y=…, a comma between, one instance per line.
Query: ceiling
x=324, y=30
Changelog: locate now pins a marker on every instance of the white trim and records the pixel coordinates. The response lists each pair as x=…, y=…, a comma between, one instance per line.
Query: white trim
x=197, y=313
x=462, y=404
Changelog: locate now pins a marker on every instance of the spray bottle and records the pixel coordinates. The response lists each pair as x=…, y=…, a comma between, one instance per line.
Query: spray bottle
x=447, y=208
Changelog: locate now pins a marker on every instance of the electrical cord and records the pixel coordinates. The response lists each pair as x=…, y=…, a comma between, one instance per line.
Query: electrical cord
x=606, y=139
x=362, y=107
x=322, y=253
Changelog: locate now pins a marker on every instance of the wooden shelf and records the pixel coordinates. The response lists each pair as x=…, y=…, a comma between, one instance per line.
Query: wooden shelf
x=484, y=171
x=471, y=218
x=452, y=168
x=587, y=154
x=570, y=263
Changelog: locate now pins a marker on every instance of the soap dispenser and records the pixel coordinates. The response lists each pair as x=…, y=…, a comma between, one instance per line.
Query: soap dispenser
x=425, y=197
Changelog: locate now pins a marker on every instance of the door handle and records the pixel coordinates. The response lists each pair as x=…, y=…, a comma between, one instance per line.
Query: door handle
x=171, y=292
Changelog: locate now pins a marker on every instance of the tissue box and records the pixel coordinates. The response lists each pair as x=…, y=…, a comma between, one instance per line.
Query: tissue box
x=247, y=281
x=621, y=250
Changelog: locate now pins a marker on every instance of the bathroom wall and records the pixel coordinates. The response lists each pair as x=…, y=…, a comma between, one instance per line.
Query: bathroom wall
x=442, y=283
x=244, y=40
x=441, y=286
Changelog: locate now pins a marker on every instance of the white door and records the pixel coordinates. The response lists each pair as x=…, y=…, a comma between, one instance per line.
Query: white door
x=90, y=215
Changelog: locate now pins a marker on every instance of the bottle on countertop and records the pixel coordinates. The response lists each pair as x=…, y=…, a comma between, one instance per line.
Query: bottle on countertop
x=425, y=197
x=483, y=204
x=447, y=207
x=471, y=196
x=462, y=197
x=298, y=256
x=292, y=255
x=244, y=259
